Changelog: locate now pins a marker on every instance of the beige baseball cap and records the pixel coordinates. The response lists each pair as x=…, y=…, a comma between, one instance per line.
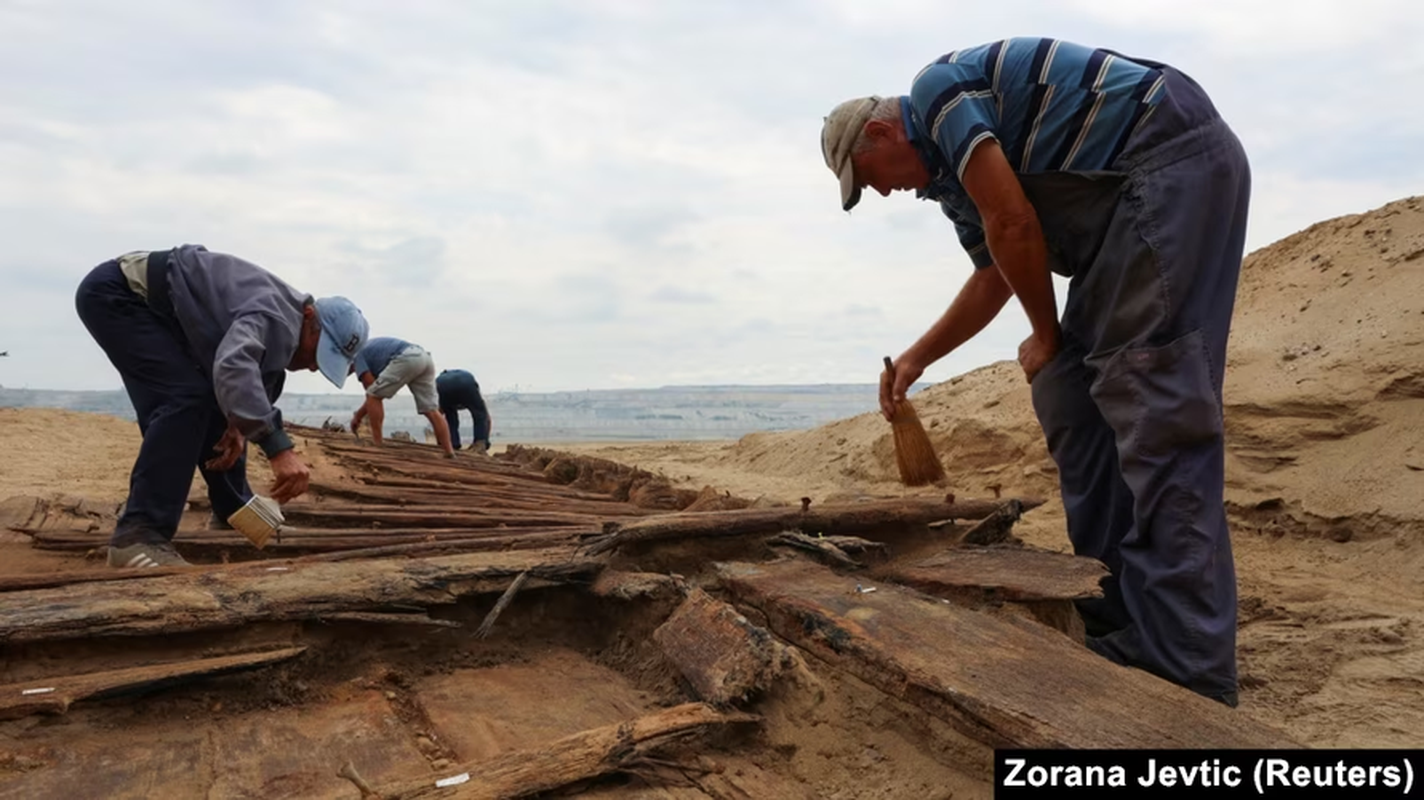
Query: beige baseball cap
x=838, y=137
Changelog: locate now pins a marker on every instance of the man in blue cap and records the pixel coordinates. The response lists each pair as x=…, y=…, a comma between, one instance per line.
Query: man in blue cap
x=1117, y=173
x=203, y=341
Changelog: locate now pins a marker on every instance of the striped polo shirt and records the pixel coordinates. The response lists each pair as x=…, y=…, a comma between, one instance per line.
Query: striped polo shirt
x=1053, y=106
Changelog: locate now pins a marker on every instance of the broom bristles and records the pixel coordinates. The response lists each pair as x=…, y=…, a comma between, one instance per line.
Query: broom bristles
x=914, y=454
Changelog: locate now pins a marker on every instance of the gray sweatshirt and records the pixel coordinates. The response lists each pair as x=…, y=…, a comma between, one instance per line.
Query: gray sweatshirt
x=243, y=325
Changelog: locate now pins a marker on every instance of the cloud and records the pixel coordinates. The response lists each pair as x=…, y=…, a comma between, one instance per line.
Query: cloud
x=412, y=263
x=1308, y=27
x=674, y=294
x=568, y=195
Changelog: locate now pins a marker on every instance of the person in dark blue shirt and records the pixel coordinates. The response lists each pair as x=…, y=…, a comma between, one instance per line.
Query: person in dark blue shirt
x=459, y=390
x=1117, y=173
x=385, y=365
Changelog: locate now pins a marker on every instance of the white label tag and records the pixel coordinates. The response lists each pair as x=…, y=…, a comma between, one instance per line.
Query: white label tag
x=454, y=780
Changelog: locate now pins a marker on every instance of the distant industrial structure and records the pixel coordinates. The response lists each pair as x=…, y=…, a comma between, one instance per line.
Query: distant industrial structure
x=674, y=413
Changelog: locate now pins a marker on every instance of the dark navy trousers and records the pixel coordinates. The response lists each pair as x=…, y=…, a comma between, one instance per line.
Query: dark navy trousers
x=178, y=414
x=1132, y=405
x=459, y=390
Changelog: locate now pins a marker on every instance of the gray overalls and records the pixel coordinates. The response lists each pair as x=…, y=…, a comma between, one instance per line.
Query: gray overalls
x=1132, y=405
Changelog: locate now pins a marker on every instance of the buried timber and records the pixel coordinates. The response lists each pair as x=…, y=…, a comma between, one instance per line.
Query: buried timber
x=538, y=623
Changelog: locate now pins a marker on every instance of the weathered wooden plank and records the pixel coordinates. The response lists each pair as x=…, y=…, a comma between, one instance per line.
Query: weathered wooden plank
x=724, y=657
x=1005, y=684
x=466, y=544
x=639, y=586
x=513, y=498
x=995, y=527
x=199, y=599
x=329, y=540
x=412, y=620
x=1004, y=573
x=45, y=580
x=56, y=695
x=558, y=492
x=828, y=519
x=334, y=515
x=419, y=462
x=827, y=549
x=583, y=756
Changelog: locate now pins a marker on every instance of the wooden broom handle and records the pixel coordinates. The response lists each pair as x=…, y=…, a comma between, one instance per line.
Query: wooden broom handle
x=890, y=368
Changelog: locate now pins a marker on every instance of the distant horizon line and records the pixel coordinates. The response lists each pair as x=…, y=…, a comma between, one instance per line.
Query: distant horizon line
x=508, y=392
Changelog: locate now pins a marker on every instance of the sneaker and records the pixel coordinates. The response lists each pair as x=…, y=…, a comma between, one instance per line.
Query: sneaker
x=216, y=523
x=144, y=555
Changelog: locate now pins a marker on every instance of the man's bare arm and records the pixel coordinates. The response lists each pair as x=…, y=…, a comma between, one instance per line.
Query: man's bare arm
x=979, y=301
x=1016, y=242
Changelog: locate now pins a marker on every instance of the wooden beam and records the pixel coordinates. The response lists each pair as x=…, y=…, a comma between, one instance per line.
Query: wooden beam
x=996, y=527
x=332, y=540
x=201, y=600
x=828, y=519
x=464, y=544
x=826, y=549
x=413, y=620
x=517, y=498
x=1004, y=684
x=56, y=695
x=366, y=535
x=45, y=580
x=724, y=657
x=581, y=757
x=1004, y=573
x=423, y=543
x=336, y=515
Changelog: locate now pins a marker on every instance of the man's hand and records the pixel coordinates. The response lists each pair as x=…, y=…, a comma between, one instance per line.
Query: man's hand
x=291, y=476
x=229, y=449
x=893, y=387
x=1035, y=353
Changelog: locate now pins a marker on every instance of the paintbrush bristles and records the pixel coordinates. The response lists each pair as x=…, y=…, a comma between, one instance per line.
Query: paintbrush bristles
x=914, y=453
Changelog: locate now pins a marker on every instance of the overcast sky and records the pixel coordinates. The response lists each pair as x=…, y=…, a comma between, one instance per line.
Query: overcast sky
x=599, y=193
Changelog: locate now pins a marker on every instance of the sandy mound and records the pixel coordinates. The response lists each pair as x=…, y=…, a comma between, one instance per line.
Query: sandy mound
x=1326, y=374
x=51, y=453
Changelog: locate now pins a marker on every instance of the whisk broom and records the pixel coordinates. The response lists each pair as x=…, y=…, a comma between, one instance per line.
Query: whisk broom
x=914, y=454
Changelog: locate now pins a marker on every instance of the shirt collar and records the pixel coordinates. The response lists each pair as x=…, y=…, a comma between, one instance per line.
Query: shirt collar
x=929, y=154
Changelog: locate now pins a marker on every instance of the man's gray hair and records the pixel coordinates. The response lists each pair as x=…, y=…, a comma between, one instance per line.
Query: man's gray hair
x=886, y=109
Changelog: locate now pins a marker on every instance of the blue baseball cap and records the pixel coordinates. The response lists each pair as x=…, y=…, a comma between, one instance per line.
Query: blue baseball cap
x=343, y=334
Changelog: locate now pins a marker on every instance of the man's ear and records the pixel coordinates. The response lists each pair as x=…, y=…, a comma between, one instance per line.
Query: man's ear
x=879, y=130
